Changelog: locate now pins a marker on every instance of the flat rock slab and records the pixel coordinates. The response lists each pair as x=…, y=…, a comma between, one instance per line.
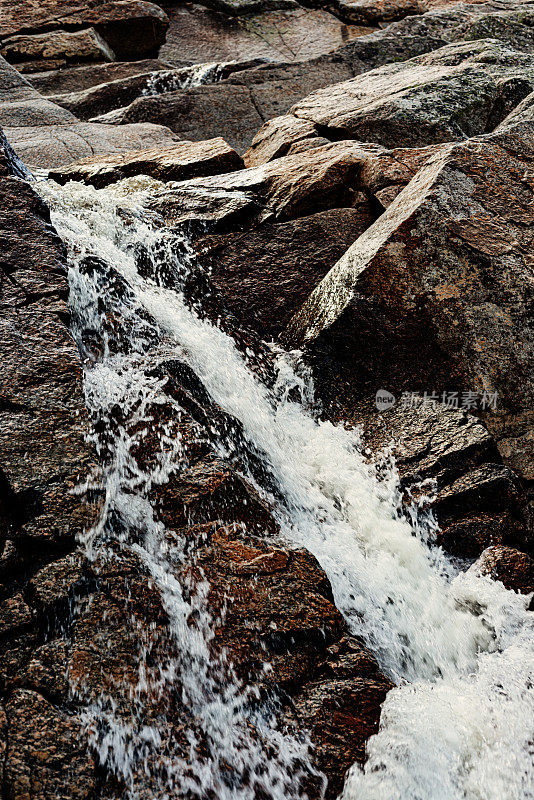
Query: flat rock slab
x=182, y=161
x=53, y=146
x=29, y=52
x=77, y=79
x=290, y=187
x=201, y=34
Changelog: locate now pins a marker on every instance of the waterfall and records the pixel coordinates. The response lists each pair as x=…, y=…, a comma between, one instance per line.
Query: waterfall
x=459, y=725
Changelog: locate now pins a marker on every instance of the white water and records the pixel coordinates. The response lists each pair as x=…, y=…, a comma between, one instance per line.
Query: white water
x=460, y=724
x=171, y=80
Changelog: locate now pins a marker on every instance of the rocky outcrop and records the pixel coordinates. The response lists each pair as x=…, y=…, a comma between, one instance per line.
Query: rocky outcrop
x=264, y=274
x=457, y=91
x=76, y=79
x=46, y=135
x=44, y=460
x=271, y=89
x=177, y=163
x=52, y=146
x=382, y=224
x=293, y=33
x=73, y=627
x=465, y=215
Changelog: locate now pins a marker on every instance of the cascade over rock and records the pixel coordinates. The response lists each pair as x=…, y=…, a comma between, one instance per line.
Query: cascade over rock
x=266, y=429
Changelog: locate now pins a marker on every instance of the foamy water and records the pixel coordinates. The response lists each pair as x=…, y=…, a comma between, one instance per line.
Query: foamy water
x=460, y=725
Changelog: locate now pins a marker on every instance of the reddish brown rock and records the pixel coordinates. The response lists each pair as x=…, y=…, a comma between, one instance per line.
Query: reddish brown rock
x=180, y=162
x=470, y=535
x=47, y=751
x=513, y=568
x=441, y=286
x=43, y=456
x=373, y=12
x=323, y=178
x=342, y=710
x=264, y=274
x=132, y=28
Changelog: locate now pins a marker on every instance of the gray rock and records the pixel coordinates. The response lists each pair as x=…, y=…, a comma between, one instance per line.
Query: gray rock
x=76, y=79
x=200, y=113
x=53, y=146
x=296, y=33
x=22, y=105
x=290, y=187
x=460, y=90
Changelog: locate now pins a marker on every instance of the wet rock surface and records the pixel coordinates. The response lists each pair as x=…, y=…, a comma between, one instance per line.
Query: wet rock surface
x=44, y=458
x=513, y=568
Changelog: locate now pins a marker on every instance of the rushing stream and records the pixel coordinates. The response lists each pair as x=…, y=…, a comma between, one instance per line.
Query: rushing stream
x=460, y=724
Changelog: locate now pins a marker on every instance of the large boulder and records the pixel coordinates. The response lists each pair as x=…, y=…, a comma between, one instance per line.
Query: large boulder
x=434, y=296
x=263, y=275
x=294, y=186
x=292, y=34
x=44, y=460
x=513, y=568
x=203, y=112
x=22, y=105
x=460, y=90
